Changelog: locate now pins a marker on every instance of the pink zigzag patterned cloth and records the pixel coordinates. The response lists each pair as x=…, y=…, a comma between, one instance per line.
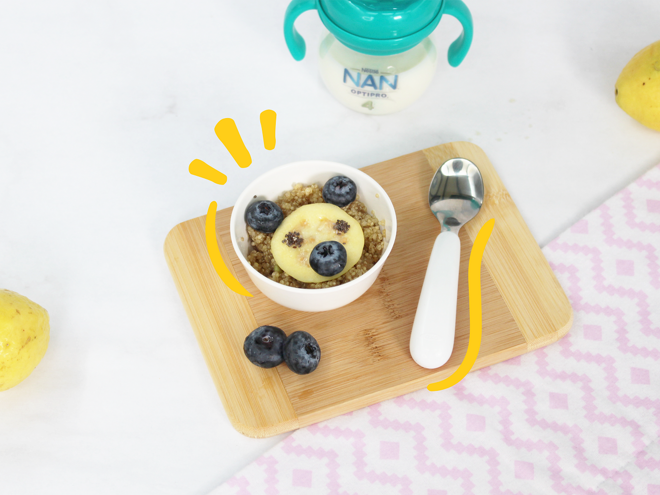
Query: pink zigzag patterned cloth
x=581, y=416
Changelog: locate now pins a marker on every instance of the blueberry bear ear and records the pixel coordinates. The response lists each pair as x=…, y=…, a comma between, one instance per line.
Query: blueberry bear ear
x=264, y=216
x=340, y=191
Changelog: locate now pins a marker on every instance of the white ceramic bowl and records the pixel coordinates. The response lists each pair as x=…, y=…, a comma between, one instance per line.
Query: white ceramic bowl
x=273, y=183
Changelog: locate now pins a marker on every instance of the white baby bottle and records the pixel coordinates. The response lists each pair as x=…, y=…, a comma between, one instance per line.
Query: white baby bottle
x=377, y=57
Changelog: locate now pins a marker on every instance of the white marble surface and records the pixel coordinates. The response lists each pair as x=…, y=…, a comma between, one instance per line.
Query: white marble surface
x=104, y=104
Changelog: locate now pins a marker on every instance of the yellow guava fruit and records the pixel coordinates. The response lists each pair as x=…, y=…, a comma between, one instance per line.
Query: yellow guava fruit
x=24, y=336
x=637, y=90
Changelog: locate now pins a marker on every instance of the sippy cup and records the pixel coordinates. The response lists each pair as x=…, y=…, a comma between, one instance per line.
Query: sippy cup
x=377, y=57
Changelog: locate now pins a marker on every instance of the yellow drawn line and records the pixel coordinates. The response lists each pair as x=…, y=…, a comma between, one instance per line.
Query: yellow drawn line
x=267, y=119
x=206, y=171
x=227, y=132
x=216, y=257
x=474, y=286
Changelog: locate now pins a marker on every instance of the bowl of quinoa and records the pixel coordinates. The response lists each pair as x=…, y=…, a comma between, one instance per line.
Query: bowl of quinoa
x=290, y=187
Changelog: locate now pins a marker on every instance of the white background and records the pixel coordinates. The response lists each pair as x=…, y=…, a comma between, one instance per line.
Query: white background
x=104, y=104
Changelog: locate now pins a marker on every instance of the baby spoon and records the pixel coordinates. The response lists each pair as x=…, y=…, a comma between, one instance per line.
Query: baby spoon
x=455, y=197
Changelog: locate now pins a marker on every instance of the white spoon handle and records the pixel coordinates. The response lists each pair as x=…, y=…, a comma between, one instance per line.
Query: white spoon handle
x=432, y=338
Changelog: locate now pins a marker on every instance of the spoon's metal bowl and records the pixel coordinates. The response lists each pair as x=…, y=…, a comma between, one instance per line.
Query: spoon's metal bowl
x=456, y=193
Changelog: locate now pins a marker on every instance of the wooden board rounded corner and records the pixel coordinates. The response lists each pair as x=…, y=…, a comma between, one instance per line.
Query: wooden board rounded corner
x=261, y=430
x=562, y=331
x=169, y=239
x=554, y=337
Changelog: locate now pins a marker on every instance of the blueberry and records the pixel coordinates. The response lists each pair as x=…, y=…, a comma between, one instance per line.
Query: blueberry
x=301, y=353
x=340, y=191
x=328, y=258
x=264, y=346
x=264, y=216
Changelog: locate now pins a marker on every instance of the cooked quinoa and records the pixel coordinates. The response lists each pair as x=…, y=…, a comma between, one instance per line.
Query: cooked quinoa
x=262, y=260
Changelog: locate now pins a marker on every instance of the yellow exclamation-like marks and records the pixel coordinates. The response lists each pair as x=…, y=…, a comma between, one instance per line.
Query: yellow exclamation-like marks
x=227, y=132
x=268, y=118
x=206, y=171
x=474, y=296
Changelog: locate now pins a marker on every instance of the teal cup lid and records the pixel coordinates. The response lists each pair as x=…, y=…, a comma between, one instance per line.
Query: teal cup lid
x=380, y=27
x=380, y=19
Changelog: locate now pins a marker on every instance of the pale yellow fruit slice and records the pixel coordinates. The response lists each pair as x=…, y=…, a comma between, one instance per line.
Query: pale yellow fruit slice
x=310, y=225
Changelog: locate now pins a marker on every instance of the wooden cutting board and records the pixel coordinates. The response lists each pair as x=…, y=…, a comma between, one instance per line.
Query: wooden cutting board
x=365, y=356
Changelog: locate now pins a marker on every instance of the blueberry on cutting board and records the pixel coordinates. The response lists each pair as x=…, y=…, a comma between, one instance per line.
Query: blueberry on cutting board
x=264, y=216
x=264, y=346
x=340, y=191
x=301, y=353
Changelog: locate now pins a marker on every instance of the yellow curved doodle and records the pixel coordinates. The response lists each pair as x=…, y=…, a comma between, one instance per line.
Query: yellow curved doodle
x=474, y=287
x=216, y=257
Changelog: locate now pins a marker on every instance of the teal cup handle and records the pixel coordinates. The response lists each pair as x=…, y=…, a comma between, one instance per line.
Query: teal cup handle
x=459, y=48
x=294, y=41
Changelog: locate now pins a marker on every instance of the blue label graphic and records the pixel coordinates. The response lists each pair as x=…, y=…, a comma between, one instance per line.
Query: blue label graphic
x=370, y=81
